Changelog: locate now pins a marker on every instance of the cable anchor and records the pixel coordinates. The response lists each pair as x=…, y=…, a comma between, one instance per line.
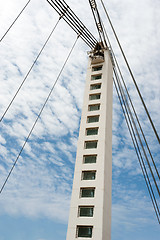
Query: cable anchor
x=80, y=32
x=64, y=12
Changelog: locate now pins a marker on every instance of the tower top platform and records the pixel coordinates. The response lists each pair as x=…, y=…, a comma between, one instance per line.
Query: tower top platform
x=97, y=54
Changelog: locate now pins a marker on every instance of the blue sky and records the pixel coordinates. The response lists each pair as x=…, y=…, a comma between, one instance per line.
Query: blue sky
x=35, y=201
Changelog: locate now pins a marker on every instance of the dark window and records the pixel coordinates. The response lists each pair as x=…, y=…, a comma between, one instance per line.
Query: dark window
x=92, y=119
x=94, y=107
x=87, y=192
x=88, y=175
x=90, y=159
x=96, y=77
x=92, y=131
x=86, y=211
x=94, y=96
x=95, y=86
x=84, y=231
x=90, y=144
x=97, y=68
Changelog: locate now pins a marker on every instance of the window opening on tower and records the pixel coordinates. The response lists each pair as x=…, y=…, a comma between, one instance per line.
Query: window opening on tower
x=97, y=68
x=92, y=119
x=84, y=231
x=94, y=96
x=95, y=86
x=87, y=192
x=91, y=131
x=90, y=144
x=96, y=77
x=94, y=107
x=85, y=211
x=89, y=159
x=88, y=175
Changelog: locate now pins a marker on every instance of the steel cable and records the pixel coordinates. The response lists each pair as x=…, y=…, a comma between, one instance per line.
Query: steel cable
x=116, y=64
x=135, y=127
x=130, y=71
x=14, y=21
x=29, y=71
x=131, y=130
x=38, y=116
x=73, y=21
x=140, y=158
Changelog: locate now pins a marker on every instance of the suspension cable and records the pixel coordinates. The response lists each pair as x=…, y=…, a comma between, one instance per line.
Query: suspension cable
x=130, y=71
x=14, y=21
x=98, y=21
x=73, y=21
x=29, y=70
x=136, y=116
x=131, y=129
x=116, y=63
x=39, y=115
x=139, y=155
x=135, y=127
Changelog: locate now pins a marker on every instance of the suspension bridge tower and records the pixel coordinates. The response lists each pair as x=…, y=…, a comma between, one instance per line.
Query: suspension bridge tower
x=90, y=210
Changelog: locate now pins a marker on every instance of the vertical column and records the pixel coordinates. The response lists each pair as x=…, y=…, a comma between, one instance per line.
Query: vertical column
x=90, y=210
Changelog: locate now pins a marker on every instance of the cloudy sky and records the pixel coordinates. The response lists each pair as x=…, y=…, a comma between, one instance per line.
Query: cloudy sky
x=34, y=205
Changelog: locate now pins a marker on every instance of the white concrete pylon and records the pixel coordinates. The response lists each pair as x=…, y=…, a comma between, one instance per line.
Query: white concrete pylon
x=90, y=209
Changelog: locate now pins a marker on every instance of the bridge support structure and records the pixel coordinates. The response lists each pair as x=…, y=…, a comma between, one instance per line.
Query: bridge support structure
x=90, y=210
